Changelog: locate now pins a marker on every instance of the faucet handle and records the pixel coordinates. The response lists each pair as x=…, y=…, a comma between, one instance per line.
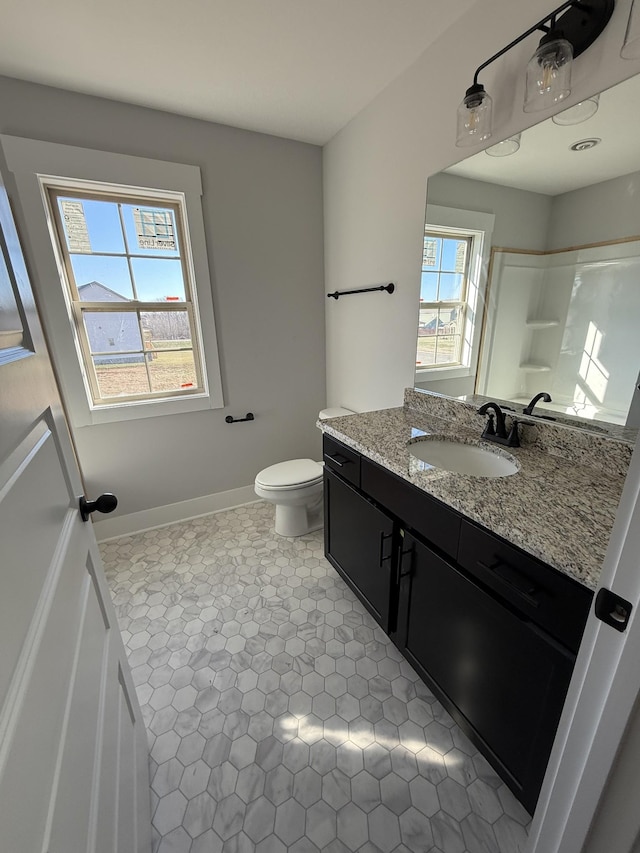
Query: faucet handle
x=490, y=428
x=513, y=439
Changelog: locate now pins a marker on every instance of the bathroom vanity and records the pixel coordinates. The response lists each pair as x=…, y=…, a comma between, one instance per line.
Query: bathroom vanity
x=492, y=627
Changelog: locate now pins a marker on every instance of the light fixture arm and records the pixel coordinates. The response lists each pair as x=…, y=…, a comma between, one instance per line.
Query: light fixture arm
x=581, y=28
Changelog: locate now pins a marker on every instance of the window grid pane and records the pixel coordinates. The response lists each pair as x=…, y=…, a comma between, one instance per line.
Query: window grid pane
x=130, y=352
x=440, y=335
x=122, y=380
x=172, y=370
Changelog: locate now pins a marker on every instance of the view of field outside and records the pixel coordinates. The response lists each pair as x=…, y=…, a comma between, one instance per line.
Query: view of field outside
x=126, y=253
x=167, y=371
x=440, y=349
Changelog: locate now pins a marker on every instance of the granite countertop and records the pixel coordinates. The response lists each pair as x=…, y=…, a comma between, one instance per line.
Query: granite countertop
x=561, y=512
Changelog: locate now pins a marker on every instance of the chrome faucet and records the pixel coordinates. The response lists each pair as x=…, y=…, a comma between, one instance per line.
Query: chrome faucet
x=528, y=410
x=498, y=432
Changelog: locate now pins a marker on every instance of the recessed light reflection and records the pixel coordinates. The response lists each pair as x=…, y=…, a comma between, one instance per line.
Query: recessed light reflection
x=585, y=144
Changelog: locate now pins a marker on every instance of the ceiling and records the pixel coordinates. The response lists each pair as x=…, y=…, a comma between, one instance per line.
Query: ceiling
x=545, y=163
x=292, y=68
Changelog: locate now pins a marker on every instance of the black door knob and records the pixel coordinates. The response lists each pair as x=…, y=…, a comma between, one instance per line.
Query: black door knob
x=105, y=503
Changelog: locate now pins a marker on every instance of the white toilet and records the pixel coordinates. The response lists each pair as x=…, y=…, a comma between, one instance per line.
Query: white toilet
x=295, y=487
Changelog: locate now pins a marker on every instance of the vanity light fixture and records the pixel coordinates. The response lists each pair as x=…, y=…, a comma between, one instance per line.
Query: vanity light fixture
x=568, y=31
x=578, y=112
x=505, y=148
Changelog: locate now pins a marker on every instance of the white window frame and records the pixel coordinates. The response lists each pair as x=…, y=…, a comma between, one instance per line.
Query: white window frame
x=80, y=190
x=34, y=164
x=462, y=304
x=448, y=220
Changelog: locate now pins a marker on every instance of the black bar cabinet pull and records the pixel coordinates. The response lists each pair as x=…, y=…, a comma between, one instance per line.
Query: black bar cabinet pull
x=402, y=572
x=231, y=420
x=338, y=293
x=384, y=536
x=338, y=460
x=513, y=579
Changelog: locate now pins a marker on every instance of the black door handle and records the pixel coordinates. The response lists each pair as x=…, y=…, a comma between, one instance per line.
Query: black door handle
x=612, y=609
x=105, y=503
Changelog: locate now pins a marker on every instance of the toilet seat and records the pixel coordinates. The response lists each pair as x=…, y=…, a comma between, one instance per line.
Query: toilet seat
x=291, y=474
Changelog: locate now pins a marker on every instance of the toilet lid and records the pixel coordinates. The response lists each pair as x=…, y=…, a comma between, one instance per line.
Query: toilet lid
x=295, y=472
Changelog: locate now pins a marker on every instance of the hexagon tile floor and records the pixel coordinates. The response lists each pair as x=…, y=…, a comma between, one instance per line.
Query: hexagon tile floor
x=281, y=719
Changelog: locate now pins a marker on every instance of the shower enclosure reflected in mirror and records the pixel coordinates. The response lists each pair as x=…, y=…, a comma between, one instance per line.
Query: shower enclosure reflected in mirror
x=531, y=269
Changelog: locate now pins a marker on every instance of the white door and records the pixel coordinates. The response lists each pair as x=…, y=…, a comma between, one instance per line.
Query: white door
x=591, y=786
x=73, y=755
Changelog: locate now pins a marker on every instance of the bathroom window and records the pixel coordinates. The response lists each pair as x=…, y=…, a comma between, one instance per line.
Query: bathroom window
x=126, y=269
x=131, y=324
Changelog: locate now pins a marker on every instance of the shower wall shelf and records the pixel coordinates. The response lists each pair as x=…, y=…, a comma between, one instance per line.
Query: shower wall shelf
x=542, y=324
x=529, y=367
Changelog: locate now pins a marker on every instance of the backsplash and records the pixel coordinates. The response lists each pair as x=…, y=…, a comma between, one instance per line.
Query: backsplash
x=574, y=445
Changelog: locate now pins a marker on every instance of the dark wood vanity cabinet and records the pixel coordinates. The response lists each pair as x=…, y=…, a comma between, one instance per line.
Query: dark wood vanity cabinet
x=358, y=543
x=496, y=671
x=491, y=630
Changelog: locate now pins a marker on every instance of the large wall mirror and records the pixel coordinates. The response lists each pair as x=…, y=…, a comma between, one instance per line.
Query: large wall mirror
x=531, y=267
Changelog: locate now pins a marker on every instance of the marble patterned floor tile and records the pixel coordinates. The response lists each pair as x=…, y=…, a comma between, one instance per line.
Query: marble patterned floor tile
x=280, y=717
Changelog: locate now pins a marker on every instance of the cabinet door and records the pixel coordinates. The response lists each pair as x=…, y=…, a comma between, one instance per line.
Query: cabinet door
x=358, y=540
x=504, y=680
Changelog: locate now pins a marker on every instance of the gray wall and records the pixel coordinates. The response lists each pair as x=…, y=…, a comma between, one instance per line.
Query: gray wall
x=262, y=206
x=605, y=211
x=522, y=218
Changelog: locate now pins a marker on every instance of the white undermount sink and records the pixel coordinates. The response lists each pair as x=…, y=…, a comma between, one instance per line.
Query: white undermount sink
x=461, y=458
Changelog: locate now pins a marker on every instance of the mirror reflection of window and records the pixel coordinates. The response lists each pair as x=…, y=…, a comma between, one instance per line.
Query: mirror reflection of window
x=443, y=294
x=455, y=261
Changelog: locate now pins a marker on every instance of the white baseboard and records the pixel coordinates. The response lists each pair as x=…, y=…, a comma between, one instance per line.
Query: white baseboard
x=160, y=516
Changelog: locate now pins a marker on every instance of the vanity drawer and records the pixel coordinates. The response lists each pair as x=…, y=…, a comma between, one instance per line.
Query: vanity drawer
x=341, y=459
x=553, y=601
x=417, y=510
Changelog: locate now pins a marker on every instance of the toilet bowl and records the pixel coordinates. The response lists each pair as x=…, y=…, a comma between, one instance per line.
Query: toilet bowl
x=295, y=487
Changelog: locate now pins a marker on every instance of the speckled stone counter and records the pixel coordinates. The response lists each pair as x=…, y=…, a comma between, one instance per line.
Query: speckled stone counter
x=560, y=511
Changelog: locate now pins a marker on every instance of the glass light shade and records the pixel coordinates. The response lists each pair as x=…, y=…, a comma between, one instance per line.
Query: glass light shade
x=631, y=45
x=504, y=148
x=578, y=112
x=474, y=117
x=548, y=75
